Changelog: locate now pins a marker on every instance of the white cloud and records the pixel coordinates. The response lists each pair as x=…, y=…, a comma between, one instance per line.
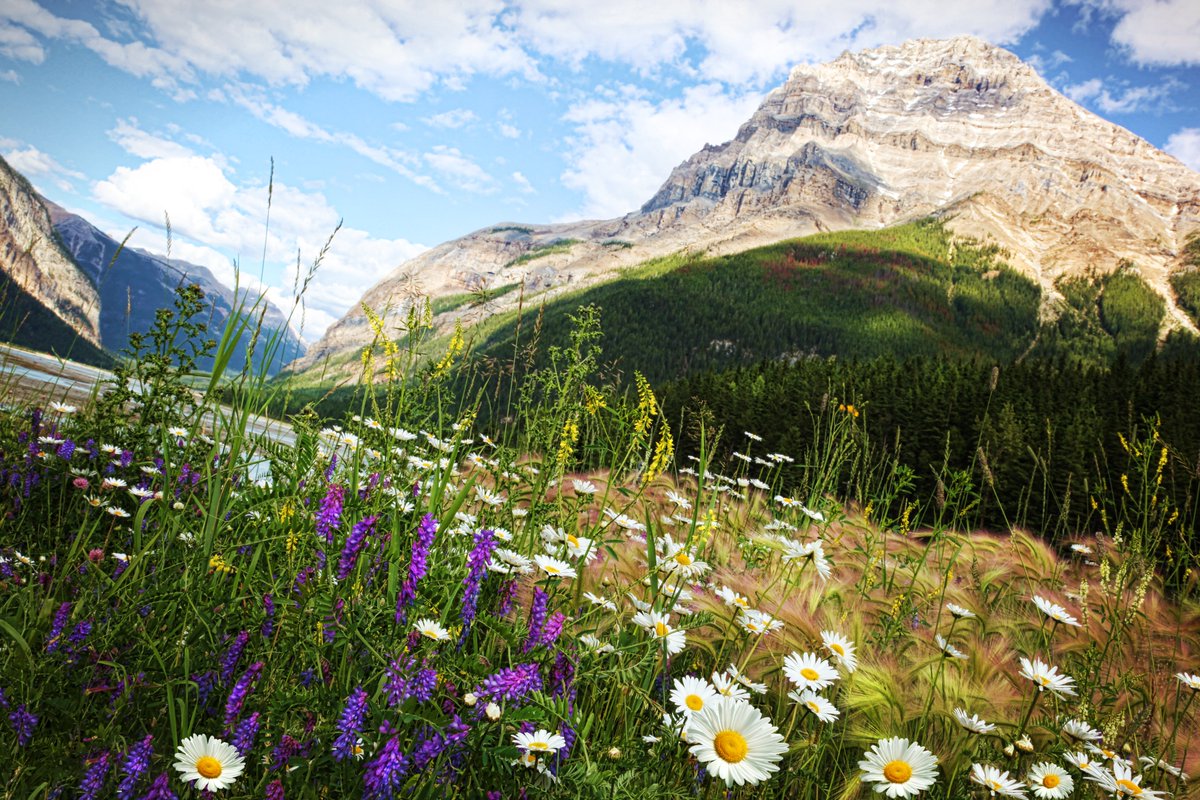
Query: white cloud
x=1117, y=97
x=215, y=222
x=135, y=141
x=508, y=131
x=1184, y=144
x=460, y=170
x=1153, y=32
x=454, y=118
x=625, y=145
x=10, y=76
x=523, y=183
x=19, y=44
x=38, y=166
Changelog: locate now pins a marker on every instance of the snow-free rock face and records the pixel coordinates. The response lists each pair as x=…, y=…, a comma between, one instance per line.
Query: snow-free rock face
x=956, y=128
x=31, y=255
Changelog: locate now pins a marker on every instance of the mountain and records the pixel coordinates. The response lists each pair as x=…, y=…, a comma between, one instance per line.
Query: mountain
x=39, y=273
x=134, y=285
x=954, y=129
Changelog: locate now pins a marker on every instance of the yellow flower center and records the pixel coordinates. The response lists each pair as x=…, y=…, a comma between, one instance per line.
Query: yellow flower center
x=1051, y=780
x=661, y=628
x=1044, y=680
x=551, y=569
x=694, y=701
x=430, y=633
x=730, y=746
x=572, y=540
x=683, y=559
x=1130, y=787
x=837, y=648
x=539, y=745
x=897, y=771
x=208, y=767
x=810, y=674
x=813, y=707
x=994, y=784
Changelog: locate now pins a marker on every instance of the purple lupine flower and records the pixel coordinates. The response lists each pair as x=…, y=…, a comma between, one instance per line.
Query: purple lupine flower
x=66, y=450
x=268, y=626
x=428, y=750
x=126, y=458
x=23, y=721
x=537, y=619
x=477, y=561
x=160, y=789
x=354, y=545
x=245, y=734
x=60, y=620
x=283, y=752
x=275, y=790
x=418, y=565
x=302, y=578
x=508, y=593
x=329, y=516
x=552, y=629
x=562, y=679
x=372, y=482
x=242, y=689
x=134, y=766
x=205, y=683
x=386, y=772
x=350, y=725
x=84, y=629
x=93, y=779
x=230, y=659
x=561, y=755
x=512, y=683
x=333, y=460
x=400, y=686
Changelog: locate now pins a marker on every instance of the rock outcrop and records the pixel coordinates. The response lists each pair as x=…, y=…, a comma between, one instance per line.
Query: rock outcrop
x=955, y=128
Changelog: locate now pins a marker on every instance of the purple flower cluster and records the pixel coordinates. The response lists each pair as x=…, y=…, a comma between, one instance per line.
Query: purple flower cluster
x=507, y=594
x=537, y=619
x=405, y=681
x=23, y=722
x=93, y=779
x=56, y=628
x=230, y=659
x=354, y=545
x=435, y=743
x=329, y=516
x=136, y=762
x=268, y=626
x=241, y=690
x=66, y=450
x=511, y=684
x=562, y=679
x=552, y=629
x=275, y=790
x=418, y=565
x=477, y=561
x=350, y=725
x=246, y=733
x=386, y=772
x=160, y=789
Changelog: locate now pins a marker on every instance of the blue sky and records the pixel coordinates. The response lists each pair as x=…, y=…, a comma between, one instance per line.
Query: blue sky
x=416, y=121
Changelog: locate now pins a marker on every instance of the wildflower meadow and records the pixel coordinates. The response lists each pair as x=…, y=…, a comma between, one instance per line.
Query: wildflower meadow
x=419, y=600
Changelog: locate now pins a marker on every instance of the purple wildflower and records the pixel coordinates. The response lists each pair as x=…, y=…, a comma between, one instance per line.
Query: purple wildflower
x=477, y=561
x=350, y=725
x=230, y=660
x=418, y=565
x=23, y=722
x=60, y=620
x=160, y=789
x=537, y=619
x=553, y=628
x=511, y=684
x=508, y=593
x=562, y=679
x=283, y=752
x=384, y=775
x=268, y=626
x=66, y=450
x=93, y=779
x=84, y=629
x=205, y=683
x=329, y=515
x=354, y=545
x=275, y=790
x=134, y=766
x=237, y=696
x=333, y=460
x=405, y=681
x=245, y=734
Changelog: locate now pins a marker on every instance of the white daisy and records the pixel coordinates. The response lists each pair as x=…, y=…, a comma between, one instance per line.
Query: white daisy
x=600, y=601
x=488, y=497
x=900, y=768
x=809, y=671
x=1049, y=781
x=659, y=627
x=62, y=408
x=1047, y=677
x=842, y=649
x=431, y=630
x=959, y=612
x=583, y=487
x=996, y=781
x=1054, y=611
x=1081, y=731
x=208, y=762
x=817, y=705
x=1080, y=760
x=1081, y=549
x=553, y=567
x=972, y=723
x=540, y=741
x=1121, y=782
x=732, y=598
x=949, y=649
x=1189, y=679
x=1163, y=765
x=728, y=686
x=759, y=622
x=691, y=694
x=735, y=742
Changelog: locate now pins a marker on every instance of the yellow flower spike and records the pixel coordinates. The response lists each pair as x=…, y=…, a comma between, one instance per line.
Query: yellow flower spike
x=452, y=350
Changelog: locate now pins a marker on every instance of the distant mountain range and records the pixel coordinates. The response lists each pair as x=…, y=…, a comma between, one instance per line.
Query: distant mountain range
x=78, y=282
x=956, y=130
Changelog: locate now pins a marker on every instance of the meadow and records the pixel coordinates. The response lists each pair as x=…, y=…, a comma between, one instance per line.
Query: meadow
x=408, y=602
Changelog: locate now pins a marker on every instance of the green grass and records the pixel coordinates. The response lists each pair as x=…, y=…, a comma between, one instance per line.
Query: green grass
x=543, y=250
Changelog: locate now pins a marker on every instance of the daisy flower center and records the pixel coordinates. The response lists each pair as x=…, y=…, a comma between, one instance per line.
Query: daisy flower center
x=550, y=568
x=897, y=771
x=1130, y=787
x=694, y=701
x=661, y=628
x=812, y=706
x=539, y=745
x=837, y=648
x=810, y=673
x=1050, y=781
x=208, y=767
x=730, y=746
x=429, y=633
x=571, y=540
x=683, y=560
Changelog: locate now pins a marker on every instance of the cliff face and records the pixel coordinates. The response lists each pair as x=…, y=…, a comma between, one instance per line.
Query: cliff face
x=32, y=257
x=955, y=128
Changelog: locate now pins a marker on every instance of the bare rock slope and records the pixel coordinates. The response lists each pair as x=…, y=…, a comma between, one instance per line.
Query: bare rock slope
x=957, y=128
